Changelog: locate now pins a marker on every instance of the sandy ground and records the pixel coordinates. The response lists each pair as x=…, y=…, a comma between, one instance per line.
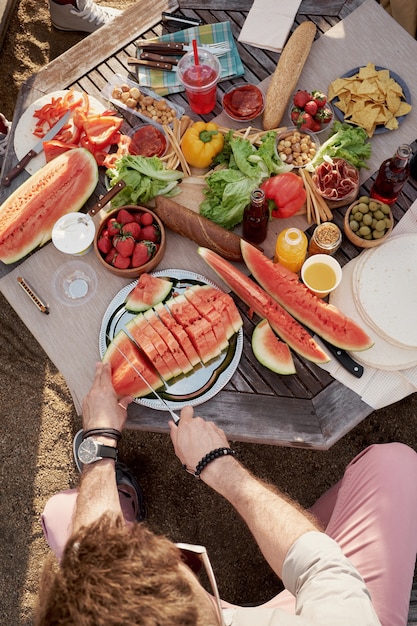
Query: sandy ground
x=38, y=422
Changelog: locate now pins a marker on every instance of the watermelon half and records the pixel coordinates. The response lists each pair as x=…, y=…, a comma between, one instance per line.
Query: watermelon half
x=28, y=215
x=270, y=351
x=285, y=287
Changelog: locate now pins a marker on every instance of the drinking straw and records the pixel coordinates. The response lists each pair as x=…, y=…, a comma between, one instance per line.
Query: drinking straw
x=196, y=61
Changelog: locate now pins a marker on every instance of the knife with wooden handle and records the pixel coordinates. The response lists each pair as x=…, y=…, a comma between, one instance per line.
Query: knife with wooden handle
x=153, y=56
x=158, y=65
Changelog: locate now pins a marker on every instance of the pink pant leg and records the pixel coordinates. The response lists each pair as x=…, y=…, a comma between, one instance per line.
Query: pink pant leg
x=371, y=513
x=58, y=513
x=373, y=520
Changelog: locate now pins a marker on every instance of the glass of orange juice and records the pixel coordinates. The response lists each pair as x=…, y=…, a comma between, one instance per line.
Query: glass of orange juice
x=321, y=274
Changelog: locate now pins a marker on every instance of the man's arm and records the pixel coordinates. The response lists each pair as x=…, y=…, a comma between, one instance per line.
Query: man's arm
x=98, y=489
x=275, y=521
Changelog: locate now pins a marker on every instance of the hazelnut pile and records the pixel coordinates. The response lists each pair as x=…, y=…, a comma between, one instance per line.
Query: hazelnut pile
x=157, y=110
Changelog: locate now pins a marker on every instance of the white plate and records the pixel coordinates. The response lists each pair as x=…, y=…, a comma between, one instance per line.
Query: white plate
x=382, y=355
x=25, y=140
x=204, y=381
x=384, y=287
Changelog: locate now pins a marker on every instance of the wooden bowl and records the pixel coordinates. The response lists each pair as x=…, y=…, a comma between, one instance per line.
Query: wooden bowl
x=131, y=272
x=358, y=241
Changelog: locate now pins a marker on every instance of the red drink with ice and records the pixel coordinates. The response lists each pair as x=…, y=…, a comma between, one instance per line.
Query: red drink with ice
x=200, y=80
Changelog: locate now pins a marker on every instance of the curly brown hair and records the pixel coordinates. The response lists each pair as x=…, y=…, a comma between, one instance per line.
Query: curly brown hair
x=112, y=574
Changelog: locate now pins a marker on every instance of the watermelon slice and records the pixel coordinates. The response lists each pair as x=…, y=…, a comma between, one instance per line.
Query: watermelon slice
x=126, y=381
x=288, y=329
x=224, y=304
x=270, y=351
x=206, y=310
x=285, y=287
x=198, y=329
x=179, y=334
x=149, y=291
x=139, y=329
x=170, y=341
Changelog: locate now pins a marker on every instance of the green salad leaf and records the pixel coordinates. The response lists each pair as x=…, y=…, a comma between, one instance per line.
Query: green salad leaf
x=145, y=178
x=346, y=142
x=245, y=167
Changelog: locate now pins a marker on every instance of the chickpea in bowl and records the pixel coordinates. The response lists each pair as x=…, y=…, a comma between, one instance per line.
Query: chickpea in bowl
x=296, y=147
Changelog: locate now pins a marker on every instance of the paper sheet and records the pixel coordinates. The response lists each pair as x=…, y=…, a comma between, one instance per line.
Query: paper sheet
x=268, y=23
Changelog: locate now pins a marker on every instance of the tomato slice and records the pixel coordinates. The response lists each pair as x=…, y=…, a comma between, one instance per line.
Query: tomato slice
x=101, y=128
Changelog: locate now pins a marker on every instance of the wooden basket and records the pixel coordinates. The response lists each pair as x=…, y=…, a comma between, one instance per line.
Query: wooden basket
x=359, y=242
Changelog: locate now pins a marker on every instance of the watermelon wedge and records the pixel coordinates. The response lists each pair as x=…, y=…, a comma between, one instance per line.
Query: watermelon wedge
x=288, y=329
x=170, y=341
x=152, y=345
x=179, y=333
x=126, y=381
x=224, y=304
x=148, y=291
x=198, y=329
x=270, y=351
x=286, y=288
x=209, y=313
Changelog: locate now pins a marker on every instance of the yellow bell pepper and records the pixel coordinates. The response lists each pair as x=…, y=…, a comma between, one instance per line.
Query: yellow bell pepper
x=200, y=144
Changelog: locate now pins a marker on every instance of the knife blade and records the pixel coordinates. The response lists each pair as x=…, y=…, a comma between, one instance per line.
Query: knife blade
x=35, y=150
x=174, y=416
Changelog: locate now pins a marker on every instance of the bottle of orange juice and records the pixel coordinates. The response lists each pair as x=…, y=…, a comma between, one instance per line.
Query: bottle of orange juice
x=291, y=249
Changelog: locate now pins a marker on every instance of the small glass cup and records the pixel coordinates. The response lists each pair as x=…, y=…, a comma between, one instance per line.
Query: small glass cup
x=321, y=274
x=200, y=81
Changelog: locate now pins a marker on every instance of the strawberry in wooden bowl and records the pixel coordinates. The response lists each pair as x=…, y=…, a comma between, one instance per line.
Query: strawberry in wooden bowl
x=130, y=241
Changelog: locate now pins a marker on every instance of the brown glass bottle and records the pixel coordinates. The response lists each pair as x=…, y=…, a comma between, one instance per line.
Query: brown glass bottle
x=392, y=176
x=256, y=218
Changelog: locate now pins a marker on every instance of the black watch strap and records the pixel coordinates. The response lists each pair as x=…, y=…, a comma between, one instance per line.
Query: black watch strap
x=107, y=452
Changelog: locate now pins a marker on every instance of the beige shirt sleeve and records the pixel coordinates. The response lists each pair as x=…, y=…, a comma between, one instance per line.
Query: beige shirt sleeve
x=328, y=590
x=404, y=12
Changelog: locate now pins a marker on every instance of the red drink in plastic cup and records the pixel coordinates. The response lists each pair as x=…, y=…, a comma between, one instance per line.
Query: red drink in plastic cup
x=200, y=81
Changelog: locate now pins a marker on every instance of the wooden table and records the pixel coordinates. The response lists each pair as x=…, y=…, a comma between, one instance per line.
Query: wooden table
x=309, y=409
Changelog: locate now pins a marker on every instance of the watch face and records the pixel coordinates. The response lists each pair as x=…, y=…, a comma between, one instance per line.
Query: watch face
x=87, y=452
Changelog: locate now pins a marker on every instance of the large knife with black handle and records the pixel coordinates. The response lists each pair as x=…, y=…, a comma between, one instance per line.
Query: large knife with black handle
x=344, y=359
x=35, y=150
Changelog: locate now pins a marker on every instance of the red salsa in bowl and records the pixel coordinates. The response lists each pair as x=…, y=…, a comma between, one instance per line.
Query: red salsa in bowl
x=148, y=141
x=243, y=102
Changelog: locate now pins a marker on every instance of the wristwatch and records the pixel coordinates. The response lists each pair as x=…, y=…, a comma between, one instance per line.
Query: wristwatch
x=91, y=451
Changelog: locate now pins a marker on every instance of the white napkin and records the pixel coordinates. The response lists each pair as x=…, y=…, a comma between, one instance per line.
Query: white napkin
x=268, y=23
x=380, y=388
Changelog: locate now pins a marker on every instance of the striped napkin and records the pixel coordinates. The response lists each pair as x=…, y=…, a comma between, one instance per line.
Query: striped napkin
x=268, y=23
x=164, y=83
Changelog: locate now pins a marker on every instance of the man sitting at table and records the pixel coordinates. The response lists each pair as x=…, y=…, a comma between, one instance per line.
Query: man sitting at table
x=115, y=571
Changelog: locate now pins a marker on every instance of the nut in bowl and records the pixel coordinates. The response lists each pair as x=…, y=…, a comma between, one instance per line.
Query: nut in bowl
x=130, y=241
x=296, y=147
x=310, y=110
x=368, y=222
x=243, y=102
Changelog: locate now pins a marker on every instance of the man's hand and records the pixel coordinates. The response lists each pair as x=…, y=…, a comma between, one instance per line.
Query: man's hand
x=101, y=407
x=194, y=437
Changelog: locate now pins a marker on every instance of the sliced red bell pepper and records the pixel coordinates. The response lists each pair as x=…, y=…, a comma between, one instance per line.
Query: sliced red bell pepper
x=286, y=193
x=101, y=128
x=54, y=148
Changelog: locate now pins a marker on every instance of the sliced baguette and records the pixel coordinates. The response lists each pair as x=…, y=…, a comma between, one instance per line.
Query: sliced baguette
x=286, y=74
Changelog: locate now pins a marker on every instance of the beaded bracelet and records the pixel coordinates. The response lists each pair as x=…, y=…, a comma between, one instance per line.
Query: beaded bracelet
x=214, y=454
x=112, y=433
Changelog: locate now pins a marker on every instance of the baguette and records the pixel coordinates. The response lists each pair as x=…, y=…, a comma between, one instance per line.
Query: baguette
x=198, y=228
x=287, y=73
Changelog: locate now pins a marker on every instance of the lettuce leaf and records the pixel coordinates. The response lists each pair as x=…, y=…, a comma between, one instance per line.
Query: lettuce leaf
x=145, y=178
x=346, y=142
